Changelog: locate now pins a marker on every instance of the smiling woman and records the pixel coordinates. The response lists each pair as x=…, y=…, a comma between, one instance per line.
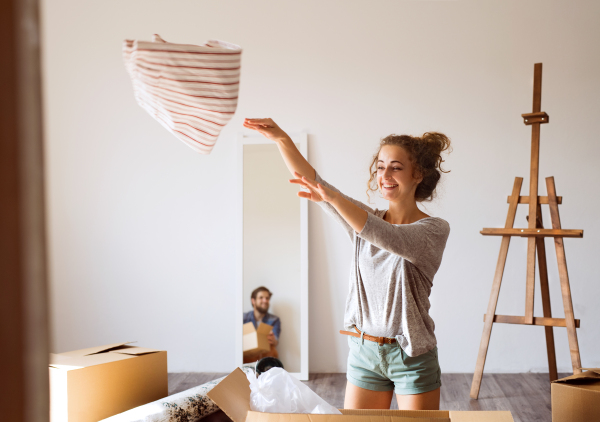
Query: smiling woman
x=397, y=252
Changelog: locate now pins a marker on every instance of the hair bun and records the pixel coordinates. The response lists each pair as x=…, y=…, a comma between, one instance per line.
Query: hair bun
x=435, y=144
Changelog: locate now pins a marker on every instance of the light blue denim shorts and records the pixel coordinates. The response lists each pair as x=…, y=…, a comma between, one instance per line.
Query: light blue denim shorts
x=387, y=367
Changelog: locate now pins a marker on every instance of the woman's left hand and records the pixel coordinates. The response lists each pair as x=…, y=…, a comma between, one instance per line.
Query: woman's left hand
x=316, y=191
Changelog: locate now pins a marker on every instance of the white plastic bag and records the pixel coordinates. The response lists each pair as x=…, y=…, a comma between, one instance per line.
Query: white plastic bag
x=276, y=391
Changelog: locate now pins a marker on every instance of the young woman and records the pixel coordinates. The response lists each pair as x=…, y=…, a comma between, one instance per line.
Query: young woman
x=396, y=255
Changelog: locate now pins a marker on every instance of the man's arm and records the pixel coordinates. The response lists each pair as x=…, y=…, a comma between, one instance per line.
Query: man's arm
x=272, y=339
x=275, y=332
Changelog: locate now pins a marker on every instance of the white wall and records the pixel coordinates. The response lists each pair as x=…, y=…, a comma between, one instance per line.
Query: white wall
x=272, y=243
x=141, y=228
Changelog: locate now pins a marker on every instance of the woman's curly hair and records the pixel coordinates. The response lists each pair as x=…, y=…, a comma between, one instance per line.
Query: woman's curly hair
x=425, y=154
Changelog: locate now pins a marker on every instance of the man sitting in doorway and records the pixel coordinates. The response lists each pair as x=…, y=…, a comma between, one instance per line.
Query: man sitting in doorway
x=260, y=298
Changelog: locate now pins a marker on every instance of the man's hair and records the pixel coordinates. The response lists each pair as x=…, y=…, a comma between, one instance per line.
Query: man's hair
x=256, y=291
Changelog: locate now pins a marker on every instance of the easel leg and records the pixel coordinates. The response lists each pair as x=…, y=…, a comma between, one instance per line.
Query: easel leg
x=491, y=310
x=530, y=285
x=568, y=304
x=565, y=286
x=489, y=319
x=545, y=291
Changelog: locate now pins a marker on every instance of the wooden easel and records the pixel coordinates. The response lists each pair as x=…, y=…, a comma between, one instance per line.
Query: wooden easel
x=535, y=234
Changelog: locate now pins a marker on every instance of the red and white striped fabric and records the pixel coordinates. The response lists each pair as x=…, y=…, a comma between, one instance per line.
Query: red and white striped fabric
x=191, y=90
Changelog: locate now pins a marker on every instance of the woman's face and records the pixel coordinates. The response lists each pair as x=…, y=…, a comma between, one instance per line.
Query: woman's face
x=395, y=174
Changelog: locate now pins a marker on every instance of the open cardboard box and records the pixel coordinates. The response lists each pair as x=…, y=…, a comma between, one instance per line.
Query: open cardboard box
x=92, y=384
x=232, y=395
x=255, y=339
x=577, y=398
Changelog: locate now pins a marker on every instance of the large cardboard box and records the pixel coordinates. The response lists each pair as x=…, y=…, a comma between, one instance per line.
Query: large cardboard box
x=92, y=384
x=232, y=395
x=577, y=398
x=255, y=339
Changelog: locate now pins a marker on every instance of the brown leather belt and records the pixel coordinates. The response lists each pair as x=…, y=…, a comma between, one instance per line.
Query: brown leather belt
x=380, y=340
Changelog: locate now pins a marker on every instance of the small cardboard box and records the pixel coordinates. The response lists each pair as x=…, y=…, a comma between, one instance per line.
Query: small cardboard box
x=92, y=384
x=232, y=395
x=577, y=398
x=255, y=339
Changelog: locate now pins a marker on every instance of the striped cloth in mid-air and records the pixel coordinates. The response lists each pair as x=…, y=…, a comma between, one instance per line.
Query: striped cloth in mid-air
x=191, y=90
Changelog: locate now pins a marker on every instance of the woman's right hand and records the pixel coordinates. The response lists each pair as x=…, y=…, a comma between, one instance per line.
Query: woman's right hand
x=267, y=128
x=294, y=160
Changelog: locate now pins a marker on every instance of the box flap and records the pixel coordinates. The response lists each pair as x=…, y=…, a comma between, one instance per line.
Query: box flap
x=94, y=350
x=304, y=417
x=389, y=412
x=249, y=328
x=232, y=395
x=590, y=375
x=61, y=361
x=481, y=416
x=437, y=415
x=136, y=351
x=264, y=328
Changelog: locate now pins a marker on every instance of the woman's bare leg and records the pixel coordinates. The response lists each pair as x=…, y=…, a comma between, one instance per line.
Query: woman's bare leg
x=424, y=401
x=361, y=398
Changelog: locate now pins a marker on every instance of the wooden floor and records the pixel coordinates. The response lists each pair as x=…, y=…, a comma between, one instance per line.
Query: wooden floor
x=527, y=396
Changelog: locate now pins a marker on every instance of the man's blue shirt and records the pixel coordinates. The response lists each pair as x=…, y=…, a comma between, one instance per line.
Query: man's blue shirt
x=267, y=319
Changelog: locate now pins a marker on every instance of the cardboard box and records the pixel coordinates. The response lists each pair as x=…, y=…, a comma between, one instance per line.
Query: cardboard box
x=232, y=395
x=92, y=384
x=255, y=339
x=577, y=398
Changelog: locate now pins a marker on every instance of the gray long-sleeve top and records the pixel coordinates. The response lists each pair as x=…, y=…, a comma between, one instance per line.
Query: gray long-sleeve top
x=392, y=274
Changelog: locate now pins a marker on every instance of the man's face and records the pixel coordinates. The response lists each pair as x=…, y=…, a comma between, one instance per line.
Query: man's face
x=261, y=303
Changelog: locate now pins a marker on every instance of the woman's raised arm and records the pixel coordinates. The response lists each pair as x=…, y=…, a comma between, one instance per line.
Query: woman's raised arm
x=353, y=213
x=294, y=161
